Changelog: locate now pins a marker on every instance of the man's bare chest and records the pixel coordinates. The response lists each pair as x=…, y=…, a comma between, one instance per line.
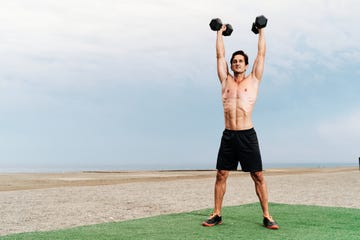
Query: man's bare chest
x=239, y=91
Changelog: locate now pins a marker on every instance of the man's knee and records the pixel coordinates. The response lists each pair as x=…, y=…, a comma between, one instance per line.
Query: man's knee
x=258, y=177
x=221, y=175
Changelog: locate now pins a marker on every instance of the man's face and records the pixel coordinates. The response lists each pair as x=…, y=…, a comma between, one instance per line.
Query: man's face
x=238, y=64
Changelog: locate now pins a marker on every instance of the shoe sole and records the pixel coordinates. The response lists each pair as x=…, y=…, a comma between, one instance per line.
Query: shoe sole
x=272, y=227
x=205, y=224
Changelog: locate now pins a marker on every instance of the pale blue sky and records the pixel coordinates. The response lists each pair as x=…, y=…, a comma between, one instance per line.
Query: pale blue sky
x=132, y=84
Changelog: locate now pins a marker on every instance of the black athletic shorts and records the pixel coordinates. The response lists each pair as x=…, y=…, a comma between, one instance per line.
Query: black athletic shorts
x=239, y=146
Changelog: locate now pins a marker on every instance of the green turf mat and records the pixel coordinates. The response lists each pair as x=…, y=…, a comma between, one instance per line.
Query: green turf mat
x=240, y=222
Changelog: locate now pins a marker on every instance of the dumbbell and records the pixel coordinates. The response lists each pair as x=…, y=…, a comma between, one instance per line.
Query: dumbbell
x=216, y=24
x=260, y=22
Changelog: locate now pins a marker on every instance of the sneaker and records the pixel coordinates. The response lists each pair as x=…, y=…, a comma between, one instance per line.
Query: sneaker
x=270, y=223
x=212, y=221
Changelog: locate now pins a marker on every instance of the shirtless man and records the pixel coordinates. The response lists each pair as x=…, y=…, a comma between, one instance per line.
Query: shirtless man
x=239, y=141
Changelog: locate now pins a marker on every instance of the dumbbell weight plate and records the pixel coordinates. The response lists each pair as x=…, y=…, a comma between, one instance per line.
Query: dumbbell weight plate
x=261, y=21
x=228, y=31
x=215, y=24
x=254, y=29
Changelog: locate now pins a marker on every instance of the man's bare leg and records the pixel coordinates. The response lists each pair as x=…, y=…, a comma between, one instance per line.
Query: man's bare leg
x=220, y=189
x=261, y=191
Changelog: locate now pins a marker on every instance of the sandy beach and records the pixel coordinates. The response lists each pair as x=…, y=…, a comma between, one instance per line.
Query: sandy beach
x=40, y=202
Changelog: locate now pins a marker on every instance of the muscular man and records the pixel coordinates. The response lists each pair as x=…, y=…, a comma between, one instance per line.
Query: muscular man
x=239, y=141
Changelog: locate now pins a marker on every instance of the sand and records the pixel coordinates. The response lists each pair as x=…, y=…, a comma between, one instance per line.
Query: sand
x=40, y=202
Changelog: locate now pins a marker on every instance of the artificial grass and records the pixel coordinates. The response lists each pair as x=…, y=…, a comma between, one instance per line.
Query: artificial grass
x=240, y=222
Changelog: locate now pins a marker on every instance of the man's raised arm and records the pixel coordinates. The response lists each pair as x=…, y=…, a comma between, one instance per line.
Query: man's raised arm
x=258, y=67
x=222, y=67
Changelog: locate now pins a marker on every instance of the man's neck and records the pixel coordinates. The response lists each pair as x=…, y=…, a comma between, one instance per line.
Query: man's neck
x=238, y=77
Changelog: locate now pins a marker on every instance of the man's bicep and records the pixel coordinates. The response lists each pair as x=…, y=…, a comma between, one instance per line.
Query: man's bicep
x=222, y=69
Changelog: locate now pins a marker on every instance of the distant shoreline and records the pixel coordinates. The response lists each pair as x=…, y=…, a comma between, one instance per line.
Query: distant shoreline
x=211, y=167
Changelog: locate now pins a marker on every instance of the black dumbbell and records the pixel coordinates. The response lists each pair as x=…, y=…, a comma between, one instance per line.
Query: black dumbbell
x=260, y=22
x=216, y=24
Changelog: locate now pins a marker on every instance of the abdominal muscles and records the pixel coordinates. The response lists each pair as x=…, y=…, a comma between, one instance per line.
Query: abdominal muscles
x=238, y=110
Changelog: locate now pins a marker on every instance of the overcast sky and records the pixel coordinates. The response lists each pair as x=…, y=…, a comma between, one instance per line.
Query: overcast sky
x=109, y=84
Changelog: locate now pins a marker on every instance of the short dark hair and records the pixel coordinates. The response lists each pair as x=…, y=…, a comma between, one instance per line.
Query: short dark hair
x=240, y=52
